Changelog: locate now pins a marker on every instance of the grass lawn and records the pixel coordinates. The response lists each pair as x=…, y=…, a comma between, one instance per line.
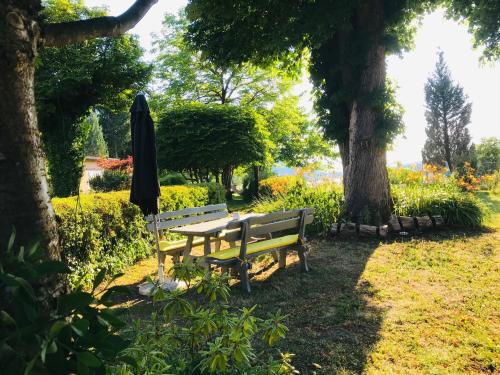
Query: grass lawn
x=427, y=305
x=492, y=200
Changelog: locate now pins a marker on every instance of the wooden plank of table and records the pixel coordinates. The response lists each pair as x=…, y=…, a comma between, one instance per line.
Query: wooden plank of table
x=209, y=227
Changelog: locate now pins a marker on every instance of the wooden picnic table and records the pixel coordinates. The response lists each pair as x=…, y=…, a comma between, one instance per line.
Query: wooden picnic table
x=207, y=230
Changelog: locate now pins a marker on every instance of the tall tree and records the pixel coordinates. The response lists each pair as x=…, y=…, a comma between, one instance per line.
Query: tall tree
x=24, y=199
x=488, y=155
x=116, y=130
x=448, y=114
x=348, y=41
x=95, y=145
x=184, y=74
x=69, y=80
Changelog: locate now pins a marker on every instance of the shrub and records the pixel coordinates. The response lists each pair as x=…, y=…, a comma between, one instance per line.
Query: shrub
x=172, y=179
x=326, y=199
x=42, y=334
x=104, y=230
x=400, y=175
x=277, y=185
x=203, y=335
x=111, y=180
x=216, y=192
x=446, y=199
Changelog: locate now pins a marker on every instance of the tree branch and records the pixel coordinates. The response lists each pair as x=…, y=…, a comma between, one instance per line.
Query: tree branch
x=60, y=34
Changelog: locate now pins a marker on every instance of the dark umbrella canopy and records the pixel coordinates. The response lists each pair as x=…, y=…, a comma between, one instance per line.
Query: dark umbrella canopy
x=145, y=188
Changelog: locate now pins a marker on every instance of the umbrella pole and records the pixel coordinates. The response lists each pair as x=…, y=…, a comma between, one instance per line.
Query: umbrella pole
x=157, y=240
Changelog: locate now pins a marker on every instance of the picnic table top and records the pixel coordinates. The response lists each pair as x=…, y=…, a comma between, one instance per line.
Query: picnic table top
x=209, y=228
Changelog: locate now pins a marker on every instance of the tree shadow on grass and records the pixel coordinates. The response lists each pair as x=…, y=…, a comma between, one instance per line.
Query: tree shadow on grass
x=331, y=322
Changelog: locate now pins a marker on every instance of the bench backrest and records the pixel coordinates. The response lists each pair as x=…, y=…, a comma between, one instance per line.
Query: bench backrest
x=294, y=220
x=171, y=219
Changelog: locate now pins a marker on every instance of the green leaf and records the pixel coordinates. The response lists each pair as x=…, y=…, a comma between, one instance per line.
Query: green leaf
x=20, y=256
x=75, y=301
x=56, y=328
x=88, y=359
x=6, y=319
x=52, y=267
x=30, y=365
x=107, y=318
x=12, y=238
x=80, y=326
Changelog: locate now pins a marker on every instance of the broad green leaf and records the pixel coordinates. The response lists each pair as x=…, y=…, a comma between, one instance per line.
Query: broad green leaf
x=88, y=359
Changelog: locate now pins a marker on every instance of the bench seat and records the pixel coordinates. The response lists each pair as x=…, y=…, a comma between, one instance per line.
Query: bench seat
x=167, y=246
x=255, y=247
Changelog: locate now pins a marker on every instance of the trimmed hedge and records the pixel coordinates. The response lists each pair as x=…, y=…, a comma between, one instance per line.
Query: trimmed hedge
x=107, y=231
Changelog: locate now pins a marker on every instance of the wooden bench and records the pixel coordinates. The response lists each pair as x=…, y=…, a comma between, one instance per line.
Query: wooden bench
x=186, y=216
x=290, y=226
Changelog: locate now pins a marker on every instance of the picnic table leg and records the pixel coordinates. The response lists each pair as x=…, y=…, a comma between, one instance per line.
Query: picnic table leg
x=207, y=250
x=186, y=255
x=282, y=258
x=217, y=244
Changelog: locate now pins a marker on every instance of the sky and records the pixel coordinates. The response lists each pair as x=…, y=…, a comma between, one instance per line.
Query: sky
x=410, y=72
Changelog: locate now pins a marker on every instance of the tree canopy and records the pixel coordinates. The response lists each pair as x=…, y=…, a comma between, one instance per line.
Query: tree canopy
x=200, y=140
x=70, y=80
x=448, y=114
x=488, y=155
x=184, y=73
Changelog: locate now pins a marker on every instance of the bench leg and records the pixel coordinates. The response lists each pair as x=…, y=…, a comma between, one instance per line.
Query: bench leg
x=217, y=245
x=176, y=257
x=282, y=258
x=244, y=279
x=303, y=259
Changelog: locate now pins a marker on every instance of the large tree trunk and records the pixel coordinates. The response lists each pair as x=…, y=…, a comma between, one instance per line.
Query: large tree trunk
x=366, y=182
x=24, y=200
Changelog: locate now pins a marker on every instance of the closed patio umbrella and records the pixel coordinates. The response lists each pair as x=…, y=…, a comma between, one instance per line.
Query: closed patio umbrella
x=145, y=188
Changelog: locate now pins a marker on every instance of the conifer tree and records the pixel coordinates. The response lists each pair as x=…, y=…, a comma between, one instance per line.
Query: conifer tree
x=448, y=114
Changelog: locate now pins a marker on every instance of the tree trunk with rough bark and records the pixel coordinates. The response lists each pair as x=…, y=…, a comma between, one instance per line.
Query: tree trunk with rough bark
x=24, y=199
x=366, y=182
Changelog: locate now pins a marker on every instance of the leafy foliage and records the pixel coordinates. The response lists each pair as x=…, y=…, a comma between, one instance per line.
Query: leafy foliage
x=95, y=144
x=115, y=126
x=111, y=180
x=411, y=197
x=488, y=155
x=448, y=114
x=326, y=199
x=78, y=336
x=277, y=185
x=201, y=139
x=185, y=74
x=448, y=200
x=72, y=79
x=105, y=231
x=202, y=334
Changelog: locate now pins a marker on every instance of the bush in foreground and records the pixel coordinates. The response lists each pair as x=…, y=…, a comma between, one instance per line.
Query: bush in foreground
x=42, y=334
x=105, y=230
x=195, y=331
